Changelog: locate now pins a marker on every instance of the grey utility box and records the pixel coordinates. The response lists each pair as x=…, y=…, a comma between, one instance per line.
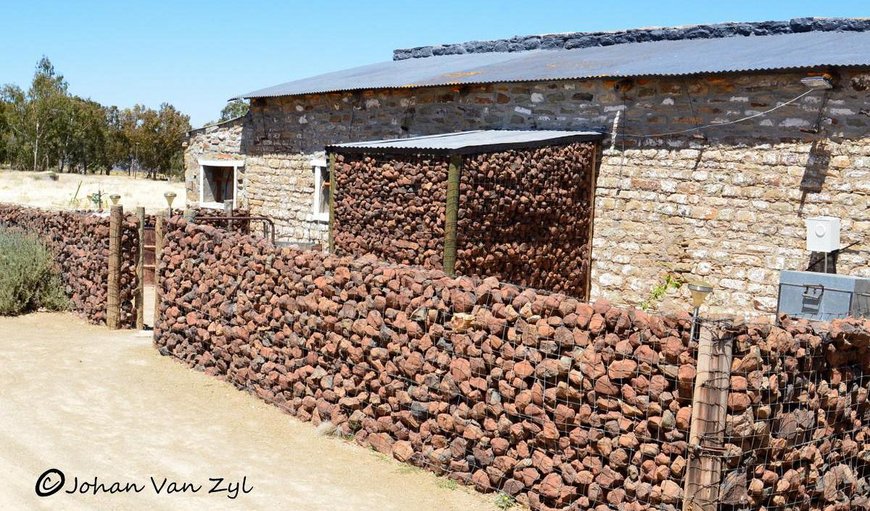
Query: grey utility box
x=822, y=296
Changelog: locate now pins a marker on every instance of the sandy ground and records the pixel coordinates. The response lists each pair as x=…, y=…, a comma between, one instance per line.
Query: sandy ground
x=96, y=403
x=36, y=189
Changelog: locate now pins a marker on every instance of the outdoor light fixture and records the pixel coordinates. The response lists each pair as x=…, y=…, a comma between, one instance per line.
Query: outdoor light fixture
x=822, y=82
x=169, y=196
x=115, y=198
x=700, y=290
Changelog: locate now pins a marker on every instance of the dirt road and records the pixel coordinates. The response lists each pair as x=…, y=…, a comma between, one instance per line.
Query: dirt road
x=95, y=403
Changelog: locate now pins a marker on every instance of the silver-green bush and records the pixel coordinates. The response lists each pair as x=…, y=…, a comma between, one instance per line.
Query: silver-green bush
x=27, y=277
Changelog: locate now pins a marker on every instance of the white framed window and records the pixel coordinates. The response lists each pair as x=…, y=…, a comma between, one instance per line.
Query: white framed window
x=322, y=189
x=218, y=182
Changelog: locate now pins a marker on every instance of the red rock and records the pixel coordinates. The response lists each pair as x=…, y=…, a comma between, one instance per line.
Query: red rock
x=622, y=369
x=481, y=481
x=551, y=486
x=523, y=369
x=403, y=450
x=380, y=442
x=460, y=369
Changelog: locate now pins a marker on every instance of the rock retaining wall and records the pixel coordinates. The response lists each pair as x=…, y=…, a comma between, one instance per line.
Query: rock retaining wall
x=797, y=433
x=524, y=215
x=80, y=244
x=562, y=404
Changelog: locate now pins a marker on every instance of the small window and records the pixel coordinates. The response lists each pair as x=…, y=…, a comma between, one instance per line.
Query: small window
x=218, y=185
x=322, y=188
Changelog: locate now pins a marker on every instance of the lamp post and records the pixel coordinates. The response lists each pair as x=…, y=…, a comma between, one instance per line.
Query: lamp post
x=169, y=196
x=700, y=290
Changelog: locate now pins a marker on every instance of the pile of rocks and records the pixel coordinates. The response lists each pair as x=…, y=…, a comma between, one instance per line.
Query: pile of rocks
x=525, y=216
x=80, y=244
x=559, y=403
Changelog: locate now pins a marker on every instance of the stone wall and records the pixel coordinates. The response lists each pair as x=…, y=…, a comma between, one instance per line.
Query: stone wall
x=392, y=206
x=281, y=186
x=525, y=216
x=797, y=433
x=79, y=242
x=725, y=202
x=562, y=404
x=539, y=395
x=218, y=141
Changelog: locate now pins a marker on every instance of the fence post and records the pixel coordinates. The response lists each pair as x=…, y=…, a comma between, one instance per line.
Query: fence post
x=159, y=224
x=140, y=271
x=228, y=211
x=707, y=433
x=113, y=308
x=333, y=183
x=451, y=214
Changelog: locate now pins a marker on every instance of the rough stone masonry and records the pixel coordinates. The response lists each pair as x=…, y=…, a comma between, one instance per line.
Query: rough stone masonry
x=726, y=203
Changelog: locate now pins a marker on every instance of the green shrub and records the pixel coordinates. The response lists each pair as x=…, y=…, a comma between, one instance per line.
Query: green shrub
x=27, y=278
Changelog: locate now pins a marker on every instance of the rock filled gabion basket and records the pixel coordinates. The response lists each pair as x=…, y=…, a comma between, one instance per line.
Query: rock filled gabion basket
x=556, y=402
x=79, y=242
x=524, y=215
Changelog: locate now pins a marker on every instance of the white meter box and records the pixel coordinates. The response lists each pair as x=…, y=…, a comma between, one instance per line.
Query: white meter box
x=823, y=233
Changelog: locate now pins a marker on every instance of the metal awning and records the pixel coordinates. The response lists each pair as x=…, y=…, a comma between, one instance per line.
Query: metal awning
x=467, y=142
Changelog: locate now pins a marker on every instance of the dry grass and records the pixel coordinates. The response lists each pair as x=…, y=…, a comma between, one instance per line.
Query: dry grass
x=39, y=189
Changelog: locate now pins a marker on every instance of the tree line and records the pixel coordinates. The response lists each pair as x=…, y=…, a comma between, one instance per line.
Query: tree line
x=47, y=128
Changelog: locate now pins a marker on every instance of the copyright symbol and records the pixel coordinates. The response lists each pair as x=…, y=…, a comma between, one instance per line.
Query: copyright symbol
x=50, y=482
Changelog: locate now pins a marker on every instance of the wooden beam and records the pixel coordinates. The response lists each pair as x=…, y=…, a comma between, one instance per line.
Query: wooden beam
x=159, y=227
x=707, y=431
x=113, y=307
x=140, y=271
x=228, y=211
x=333, y=183
x=454, y=170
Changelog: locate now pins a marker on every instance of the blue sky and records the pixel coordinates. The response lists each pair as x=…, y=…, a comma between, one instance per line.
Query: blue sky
x=196, y=54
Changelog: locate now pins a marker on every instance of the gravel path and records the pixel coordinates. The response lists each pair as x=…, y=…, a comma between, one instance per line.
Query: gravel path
x=96, y=403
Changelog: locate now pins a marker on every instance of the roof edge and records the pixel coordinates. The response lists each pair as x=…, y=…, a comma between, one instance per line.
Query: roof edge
x=356, y=148
x=572, y=40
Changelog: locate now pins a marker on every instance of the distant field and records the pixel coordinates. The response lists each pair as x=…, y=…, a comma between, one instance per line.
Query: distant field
x=38, y=189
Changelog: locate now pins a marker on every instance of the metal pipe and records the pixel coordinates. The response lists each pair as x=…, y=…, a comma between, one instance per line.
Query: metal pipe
x=268, y=224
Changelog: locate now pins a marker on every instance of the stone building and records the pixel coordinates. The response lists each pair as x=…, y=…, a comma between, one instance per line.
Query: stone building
x=721, y=140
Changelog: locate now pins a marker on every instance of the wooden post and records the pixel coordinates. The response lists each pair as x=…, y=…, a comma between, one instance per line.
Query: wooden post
x=452, y=213
x=140, y=271
x=333, y=183
x=707, y=432
x=159, y=225
x=113, y=310
x=228, y=211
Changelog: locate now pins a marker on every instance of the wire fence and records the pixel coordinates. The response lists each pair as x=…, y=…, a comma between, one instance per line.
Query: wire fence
x=554, y=402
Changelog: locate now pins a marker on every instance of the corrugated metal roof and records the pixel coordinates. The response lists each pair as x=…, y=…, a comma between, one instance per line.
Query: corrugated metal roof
x=658, y=58
x=465, y=142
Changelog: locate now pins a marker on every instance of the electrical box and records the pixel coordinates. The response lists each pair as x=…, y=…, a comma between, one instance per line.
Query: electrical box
x=822, y=296
x=823, y=233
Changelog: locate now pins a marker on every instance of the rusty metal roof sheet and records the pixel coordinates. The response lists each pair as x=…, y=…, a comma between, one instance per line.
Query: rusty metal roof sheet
x=656, y=58
x=465, y=142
